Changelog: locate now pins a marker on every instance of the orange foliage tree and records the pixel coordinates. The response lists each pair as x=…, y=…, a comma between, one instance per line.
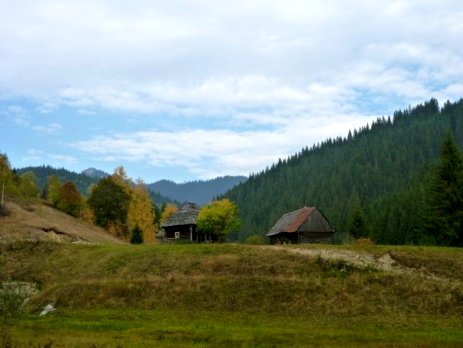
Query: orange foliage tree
x=69, y=199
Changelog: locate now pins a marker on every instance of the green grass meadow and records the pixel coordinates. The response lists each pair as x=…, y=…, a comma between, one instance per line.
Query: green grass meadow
x=142, y=328
x=233, y=296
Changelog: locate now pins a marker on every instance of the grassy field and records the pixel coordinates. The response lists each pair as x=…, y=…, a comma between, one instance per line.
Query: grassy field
x=236, y=295
x=144, y=328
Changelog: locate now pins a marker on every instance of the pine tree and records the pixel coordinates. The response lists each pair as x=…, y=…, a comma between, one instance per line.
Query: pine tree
x=357, y=226
x=137, y=235
x=443, y=218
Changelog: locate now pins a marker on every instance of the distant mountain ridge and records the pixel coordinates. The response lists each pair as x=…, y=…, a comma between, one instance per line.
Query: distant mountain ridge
x=163, y=191
x=200, y=192
x=82, y=181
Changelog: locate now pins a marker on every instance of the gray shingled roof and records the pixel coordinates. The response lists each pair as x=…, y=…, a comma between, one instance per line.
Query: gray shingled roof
x=186, y=215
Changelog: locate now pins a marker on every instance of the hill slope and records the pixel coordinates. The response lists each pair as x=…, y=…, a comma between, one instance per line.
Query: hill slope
x=43, y=223
x=381, y=168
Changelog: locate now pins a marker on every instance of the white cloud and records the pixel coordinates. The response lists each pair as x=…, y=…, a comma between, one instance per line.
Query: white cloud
x=60, y=159
x=287, y=72
x=33, y=155
x=51, y=128
x=38, y=157
x=210, y=153
x=215, y=52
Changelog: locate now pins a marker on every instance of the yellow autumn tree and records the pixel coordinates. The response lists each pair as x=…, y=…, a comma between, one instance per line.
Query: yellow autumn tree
x=169, y=209
x=121, y=178
x=6, y=176
x=218, y=219
x=141, y=212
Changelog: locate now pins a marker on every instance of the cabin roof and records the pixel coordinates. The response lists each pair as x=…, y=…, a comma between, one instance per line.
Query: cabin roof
x=186, y=215
x=290, y=222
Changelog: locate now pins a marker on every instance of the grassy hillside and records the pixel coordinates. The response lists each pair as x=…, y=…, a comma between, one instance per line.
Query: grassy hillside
x=235, y=295
x=43, y=223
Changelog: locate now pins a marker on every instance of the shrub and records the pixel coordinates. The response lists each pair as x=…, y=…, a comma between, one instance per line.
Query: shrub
x=364, y=241
x=255, y=239
x=11, y=301
x=137, y=235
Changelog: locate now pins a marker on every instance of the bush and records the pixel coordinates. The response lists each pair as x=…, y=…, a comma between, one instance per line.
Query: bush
x=255, y=239
x=364, y=241
x=11, y=301
x=137, y=235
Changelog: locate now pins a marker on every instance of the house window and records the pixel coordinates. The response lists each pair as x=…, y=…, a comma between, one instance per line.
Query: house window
x=177, y=235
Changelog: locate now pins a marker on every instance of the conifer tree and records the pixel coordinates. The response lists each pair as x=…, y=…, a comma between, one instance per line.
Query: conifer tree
x=357, y=227
x=137, y=235
x=443, y=218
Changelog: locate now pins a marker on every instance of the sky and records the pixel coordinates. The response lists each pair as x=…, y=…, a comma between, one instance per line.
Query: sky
x=187, y=90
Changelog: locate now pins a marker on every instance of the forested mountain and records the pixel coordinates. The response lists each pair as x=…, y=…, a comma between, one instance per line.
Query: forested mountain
x=82, y=181
x=200, y=192
x=380, y=172
x=161, y=192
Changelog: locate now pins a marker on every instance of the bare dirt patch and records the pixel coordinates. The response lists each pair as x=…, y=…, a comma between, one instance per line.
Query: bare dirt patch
x=362, y=260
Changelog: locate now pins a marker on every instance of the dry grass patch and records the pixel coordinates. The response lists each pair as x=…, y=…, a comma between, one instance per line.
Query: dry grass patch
x=39, y=222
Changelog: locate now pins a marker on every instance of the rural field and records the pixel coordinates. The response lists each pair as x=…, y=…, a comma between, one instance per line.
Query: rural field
x=226, y=295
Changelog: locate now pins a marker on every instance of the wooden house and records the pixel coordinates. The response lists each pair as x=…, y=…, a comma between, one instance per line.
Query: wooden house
x=182, y=226
x=305, y=225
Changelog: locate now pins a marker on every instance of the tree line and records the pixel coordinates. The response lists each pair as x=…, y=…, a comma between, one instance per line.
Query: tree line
x=123, y=207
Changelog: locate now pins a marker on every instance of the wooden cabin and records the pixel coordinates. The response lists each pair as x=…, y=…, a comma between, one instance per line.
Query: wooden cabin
x=305, y=225
x=181, y=226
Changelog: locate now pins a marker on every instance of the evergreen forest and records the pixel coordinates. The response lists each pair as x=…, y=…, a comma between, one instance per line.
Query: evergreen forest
x=83, y=182
x=374, y=183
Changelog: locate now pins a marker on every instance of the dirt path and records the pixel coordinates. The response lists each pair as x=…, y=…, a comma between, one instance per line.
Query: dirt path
x=361, y=260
